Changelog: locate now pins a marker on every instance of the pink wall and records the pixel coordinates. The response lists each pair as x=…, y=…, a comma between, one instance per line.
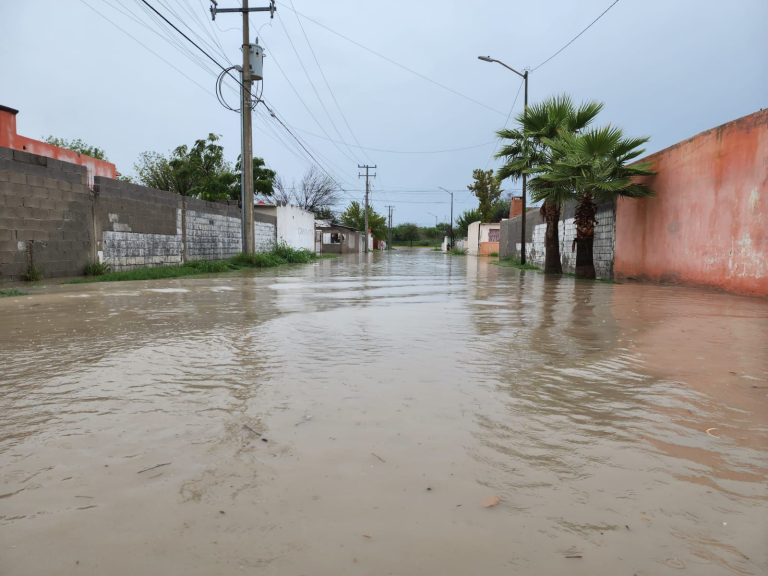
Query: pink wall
x=708, y=224
x=10, y=139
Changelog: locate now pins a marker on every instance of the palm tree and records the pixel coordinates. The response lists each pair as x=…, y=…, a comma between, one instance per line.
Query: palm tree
x=526, y=151
x=593, y=166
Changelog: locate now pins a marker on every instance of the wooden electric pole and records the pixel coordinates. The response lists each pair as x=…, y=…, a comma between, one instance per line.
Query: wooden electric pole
x=367, y=189
x=246, y=107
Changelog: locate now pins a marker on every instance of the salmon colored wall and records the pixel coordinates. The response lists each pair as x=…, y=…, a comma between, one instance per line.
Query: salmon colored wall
x=708, y=224
x=10, y=139
x=486, y=248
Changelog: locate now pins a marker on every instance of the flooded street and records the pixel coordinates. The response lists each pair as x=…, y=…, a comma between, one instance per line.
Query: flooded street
x=352, y=417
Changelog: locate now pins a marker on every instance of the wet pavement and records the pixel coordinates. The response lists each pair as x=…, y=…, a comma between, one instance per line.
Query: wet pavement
x=352, y=416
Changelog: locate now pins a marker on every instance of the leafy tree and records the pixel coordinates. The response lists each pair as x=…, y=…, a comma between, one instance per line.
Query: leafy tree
x=408, y=232
x=317, y=191
x=263, y=178
x=487, y=190
x=204, y=169
x=525, y=151
x=465, y=219
x=77, y=146
x=595, y=166
x=500, y=209
x=354, y=217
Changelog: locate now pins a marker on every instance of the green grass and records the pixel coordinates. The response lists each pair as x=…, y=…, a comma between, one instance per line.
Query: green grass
x=514, y=262
x=494, y=254
x=281, y=255
x=7, y=292
x=457, y=251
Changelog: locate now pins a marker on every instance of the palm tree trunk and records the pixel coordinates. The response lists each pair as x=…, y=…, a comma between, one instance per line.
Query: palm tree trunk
x=584, y=220
x=552, y=264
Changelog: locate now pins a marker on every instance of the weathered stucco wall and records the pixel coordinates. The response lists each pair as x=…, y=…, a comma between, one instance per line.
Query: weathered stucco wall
x=708, y=224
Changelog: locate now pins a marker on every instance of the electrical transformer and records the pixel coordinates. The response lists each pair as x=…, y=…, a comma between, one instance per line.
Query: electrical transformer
x=256, y=58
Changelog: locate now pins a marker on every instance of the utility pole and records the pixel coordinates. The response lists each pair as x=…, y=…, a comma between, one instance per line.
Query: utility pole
x=389, y=233
x=451, y=228
x=252, y=69
x=367, y=189
x=524, y=76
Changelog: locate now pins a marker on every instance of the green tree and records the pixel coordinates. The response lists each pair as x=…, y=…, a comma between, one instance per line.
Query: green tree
x=487, y=190
x=354, y=217
x=199, y=171
x=77, y=146
x=500, y=209
x=408, y=232
x=263, y=178
x=525, y=151
x=203, y=167
x=595, y=166
x=465, y=219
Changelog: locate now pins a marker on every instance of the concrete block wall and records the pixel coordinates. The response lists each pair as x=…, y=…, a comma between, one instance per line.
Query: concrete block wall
x=49, y=217
x=136, y=226
x=45, y=213
x=212, y=230
x=265, y=232
x=603, y=247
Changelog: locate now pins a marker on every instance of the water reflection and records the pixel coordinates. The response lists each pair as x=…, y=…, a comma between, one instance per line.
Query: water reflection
x=295, y=410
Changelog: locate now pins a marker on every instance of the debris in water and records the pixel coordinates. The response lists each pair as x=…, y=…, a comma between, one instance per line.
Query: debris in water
x=305, y=418
x=264, y=440
x=153, y=467
x=713, y=436
x=380, y=458
x=367, y=536
x=573, y=556
x=491, y=501
x=251, y=429
x=222, y=512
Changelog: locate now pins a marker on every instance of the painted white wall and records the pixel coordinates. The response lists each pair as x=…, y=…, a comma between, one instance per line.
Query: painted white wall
x=473, y=238
x=295, y=226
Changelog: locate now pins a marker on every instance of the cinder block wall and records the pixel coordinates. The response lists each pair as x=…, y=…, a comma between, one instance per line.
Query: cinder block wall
x=45, y=215
x=265, y=232
x=213, y=230
x=51, y=219
x=136, y=226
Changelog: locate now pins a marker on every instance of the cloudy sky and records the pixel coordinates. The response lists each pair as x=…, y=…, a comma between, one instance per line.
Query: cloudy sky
x=404, y=77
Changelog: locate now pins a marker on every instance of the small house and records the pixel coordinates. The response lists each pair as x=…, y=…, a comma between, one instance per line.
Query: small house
x=338, y=239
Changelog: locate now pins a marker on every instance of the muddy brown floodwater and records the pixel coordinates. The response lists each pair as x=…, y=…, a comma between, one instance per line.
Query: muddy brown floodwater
x=352, y=416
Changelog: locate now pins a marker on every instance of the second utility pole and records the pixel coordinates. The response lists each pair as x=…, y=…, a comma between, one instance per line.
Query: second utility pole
x=367, y=189
x=389, y=235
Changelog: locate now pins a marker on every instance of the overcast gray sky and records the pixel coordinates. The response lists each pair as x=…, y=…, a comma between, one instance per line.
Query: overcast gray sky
x=664, y=68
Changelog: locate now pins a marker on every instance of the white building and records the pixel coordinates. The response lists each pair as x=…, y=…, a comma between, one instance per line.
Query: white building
x=295, y=226
x=482, y=238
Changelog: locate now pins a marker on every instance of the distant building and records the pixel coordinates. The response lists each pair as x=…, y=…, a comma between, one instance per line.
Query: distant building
x=483, y=238
x=338, y=239
x=10, y=139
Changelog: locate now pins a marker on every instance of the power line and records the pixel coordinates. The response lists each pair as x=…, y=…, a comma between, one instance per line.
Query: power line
x=435, y=82
x=311, y=83
x=399, y=151
x=327, y=84
x=271, y=111
x=577, y=35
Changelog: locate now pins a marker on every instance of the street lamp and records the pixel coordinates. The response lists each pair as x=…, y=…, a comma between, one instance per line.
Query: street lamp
x=524, y=76
x=430, y=213
x=451, y=229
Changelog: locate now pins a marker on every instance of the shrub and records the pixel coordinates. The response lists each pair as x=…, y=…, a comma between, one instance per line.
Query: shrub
x=494, y=254
x=208, y=267
x=33, y=274
x=10, y=292
x=457, y=251
x=96, y=268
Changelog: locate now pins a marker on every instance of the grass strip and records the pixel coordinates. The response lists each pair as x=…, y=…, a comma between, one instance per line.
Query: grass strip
x=279, y=256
